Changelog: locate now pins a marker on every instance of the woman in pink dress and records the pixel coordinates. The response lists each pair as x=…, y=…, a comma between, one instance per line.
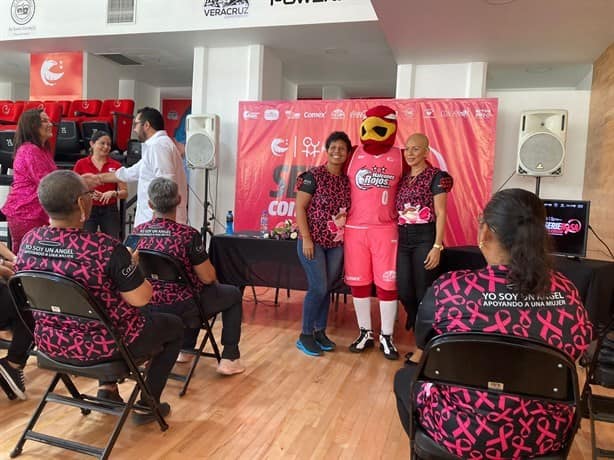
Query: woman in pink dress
x=33, y=161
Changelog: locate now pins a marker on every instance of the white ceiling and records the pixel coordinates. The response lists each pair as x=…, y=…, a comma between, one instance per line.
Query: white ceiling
x=527, y=43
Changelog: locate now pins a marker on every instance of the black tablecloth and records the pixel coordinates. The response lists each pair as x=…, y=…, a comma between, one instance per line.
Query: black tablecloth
x=245, y=259
x=593, y=278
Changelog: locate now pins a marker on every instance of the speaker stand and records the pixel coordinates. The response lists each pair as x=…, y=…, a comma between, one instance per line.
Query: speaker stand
x=538, y=181
x=206, y=228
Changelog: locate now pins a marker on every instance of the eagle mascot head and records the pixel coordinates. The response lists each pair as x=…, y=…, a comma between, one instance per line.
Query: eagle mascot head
x=378, y=130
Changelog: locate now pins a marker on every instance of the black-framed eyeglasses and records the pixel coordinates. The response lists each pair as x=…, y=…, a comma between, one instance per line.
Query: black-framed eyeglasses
x=138, y=122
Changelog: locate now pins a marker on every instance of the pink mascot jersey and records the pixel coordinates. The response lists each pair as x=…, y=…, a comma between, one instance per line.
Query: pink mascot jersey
x=371, y=233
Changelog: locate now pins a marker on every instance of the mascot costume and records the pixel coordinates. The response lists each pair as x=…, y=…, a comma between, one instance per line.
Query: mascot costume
x=371, y=233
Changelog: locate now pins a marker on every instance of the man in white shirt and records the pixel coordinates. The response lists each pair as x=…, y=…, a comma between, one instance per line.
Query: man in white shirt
x=159, y=158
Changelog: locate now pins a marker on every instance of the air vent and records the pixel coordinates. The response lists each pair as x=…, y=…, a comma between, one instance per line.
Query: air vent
x=119, y=59
x=121, y=11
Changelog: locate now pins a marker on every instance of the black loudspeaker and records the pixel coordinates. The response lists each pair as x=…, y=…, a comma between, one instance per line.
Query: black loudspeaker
x=541, y=142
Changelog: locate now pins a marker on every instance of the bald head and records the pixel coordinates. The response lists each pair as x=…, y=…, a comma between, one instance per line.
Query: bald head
x=418, y=139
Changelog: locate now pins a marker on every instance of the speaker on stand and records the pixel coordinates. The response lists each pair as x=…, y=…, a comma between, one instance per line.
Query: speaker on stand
x=201, y=152
x=541, y=144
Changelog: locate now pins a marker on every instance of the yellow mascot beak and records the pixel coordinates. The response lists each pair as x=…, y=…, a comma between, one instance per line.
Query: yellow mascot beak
x=377, y=129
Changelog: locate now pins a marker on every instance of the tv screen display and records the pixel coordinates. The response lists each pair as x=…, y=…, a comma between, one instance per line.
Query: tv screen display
x=567, y=224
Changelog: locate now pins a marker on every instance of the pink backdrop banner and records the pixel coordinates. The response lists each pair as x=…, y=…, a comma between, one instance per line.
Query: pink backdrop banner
x=278, y=140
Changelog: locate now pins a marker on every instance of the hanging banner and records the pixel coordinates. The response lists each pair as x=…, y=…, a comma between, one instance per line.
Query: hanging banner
x=56, y=76
x=279, y=140
x=175, y=112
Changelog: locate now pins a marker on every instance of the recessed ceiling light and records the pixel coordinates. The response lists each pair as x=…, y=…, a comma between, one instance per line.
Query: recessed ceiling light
x=498, y=2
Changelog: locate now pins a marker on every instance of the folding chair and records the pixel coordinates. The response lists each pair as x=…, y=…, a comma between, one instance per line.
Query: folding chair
x=600, y=372
x=52, y=294
x=163, y=268
x=499, y=364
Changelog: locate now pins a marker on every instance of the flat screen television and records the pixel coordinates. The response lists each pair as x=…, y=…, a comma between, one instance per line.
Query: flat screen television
x=567, y=223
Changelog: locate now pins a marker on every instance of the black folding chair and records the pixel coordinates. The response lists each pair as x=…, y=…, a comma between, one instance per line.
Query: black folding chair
x=53, y=294
x=498, y=364
x=600, y=372
x=163, y=268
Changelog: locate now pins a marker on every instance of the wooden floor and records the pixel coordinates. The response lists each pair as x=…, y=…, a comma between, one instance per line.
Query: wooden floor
x=286, y=405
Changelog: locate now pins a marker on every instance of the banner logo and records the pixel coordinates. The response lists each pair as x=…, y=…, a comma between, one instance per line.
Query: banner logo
x=376, y=177
x=249, y=115
x=227, y=8
x=48, y=76
x=337, y=114
x=22, y=11
x=279, y=146
x=483, y=113
x=271, y=114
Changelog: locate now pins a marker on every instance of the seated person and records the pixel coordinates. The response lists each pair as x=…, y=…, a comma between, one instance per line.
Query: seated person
x=513, y=239
x=185, y=244
x=11, y=366
x=104, y=267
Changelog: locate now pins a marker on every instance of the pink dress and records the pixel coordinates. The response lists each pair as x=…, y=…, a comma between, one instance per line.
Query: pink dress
x=22, y=209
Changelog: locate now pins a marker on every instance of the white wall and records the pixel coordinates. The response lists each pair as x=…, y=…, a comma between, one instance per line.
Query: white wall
x=511, y=104
x=100, y=78
x=272, y=85
x=6, y=90
x=146, y=95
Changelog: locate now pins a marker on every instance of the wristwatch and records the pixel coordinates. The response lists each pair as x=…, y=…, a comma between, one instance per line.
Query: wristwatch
x=438, y=246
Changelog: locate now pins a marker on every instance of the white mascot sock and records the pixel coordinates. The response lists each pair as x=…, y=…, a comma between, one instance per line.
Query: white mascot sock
x=388, y=312
x=363, y=312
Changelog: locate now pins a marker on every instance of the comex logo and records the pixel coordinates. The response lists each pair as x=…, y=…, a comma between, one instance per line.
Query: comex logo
x=48, y=76
x=279, y=146
x=22, y=11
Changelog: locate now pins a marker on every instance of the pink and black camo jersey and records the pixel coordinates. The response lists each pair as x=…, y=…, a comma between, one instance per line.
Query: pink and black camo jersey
x=176, y=240
x=415, y=201
x=330, y=197
x=85, y=258
x=474, y=424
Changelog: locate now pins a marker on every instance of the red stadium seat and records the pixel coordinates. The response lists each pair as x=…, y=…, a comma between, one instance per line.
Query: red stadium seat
x=65, y=105
x=115, y=117
x=70, y=141
x=29, y=105
x=10, y=112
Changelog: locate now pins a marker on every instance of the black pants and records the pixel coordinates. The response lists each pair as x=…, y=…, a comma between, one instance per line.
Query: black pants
x=226, y=299
x=106, y=217
x=402, y=383
x=22, y=338
x=161, y=330
x=415, y=242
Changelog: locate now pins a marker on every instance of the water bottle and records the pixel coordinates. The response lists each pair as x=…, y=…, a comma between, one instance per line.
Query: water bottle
x=264, y=223
x=229, y=223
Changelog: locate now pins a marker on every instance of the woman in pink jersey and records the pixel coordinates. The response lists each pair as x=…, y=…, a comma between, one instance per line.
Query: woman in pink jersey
x=33, y=161
x=544, y=305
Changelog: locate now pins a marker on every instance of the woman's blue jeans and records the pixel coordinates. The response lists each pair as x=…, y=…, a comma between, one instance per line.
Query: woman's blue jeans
x=322, y=271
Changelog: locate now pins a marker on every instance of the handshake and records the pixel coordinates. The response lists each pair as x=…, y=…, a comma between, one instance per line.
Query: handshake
x=92, y=180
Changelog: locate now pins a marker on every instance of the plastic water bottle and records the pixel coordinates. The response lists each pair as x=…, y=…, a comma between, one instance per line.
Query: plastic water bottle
x=264, y=223
x=230, y=223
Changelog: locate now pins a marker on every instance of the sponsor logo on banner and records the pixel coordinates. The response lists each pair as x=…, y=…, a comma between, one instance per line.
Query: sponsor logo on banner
x=22, y=11
x=173, y=115
x=51, y=71
x=409, y=113
x=311, y=148
x=337, y=114
x=358, y=114
x=271, y=114
x=483, y=113
x=429, y=113
x=314, y=114
x=455, y=113
x=226, y=8
x=279, y=146
x=249, y=115
x=299, y=2
x=291, y=115
x=375, y=177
